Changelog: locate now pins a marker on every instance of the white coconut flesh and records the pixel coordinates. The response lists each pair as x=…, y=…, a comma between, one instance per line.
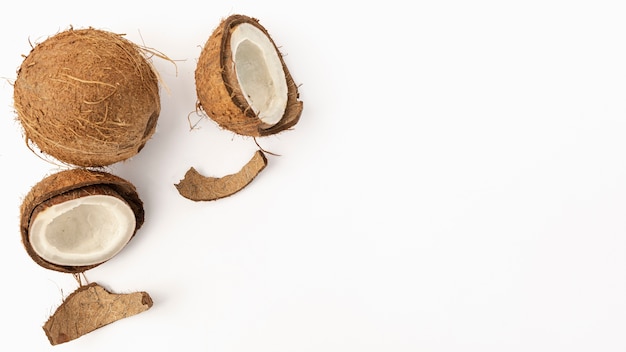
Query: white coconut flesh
x=83, y=231
x=259, y=72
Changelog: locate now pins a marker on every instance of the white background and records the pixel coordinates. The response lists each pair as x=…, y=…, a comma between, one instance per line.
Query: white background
x=457, y=182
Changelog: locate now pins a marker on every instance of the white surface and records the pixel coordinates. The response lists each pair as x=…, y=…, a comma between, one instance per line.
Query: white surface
x=457, y=182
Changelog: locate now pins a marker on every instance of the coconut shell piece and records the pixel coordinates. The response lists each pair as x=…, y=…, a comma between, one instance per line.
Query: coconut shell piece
x=218, y=91
x=197, y=187
x=91, y=307
x=71, y=184
x=87, y=97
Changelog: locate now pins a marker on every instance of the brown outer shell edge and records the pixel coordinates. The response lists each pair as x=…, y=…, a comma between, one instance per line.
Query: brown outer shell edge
x=197, y=187
x=68, y=180
x=91, y=307
x=218, y=89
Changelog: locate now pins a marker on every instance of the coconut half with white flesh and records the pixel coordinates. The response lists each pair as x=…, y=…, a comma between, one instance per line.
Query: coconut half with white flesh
x=77, y=219
x=242, y=81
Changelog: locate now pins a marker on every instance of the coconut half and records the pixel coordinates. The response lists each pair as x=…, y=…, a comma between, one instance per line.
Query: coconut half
x=242, y=81
x=87, y=97
x=77, y=219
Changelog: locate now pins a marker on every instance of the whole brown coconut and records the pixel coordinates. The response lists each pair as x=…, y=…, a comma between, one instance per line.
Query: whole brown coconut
x=242, y=81
x=87, y=97
x=77, y=219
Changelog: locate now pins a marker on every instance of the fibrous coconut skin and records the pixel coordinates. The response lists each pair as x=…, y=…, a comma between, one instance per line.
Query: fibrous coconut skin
x=91, y=307
x=220, y=94
x=70, y=184
x=87, y=97
x=197, y=187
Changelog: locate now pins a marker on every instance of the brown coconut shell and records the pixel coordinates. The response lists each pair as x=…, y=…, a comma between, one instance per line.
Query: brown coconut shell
x=217, y=87
x=87, y=97
x=71, y=184
x=197, y=187
x=91, y=307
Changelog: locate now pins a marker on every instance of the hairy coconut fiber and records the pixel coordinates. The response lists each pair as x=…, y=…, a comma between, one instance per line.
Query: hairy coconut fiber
x=71, y=184
x=217, y=87
x=87, y=97
x=89, y=308
x=197, y=187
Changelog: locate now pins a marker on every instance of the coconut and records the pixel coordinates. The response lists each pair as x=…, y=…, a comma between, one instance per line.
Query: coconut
x=242, y=82
x=77, y=219
x=87, y=97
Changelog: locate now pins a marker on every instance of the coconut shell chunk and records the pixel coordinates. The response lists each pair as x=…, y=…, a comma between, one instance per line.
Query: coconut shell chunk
x=89, y=308
x=218, y=90
x=66, y=182
x=197, y=187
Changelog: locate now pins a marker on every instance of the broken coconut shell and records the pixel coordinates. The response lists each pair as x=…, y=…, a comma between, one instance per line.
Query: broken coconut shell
x=91, y=307
x=197, y=187
x=104, y=197
x=87, y=97
x=242, y=82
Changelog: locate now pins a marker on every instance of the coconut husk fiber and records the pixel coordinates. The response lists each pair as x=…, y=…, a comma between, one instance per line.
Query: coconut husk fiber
x=217, y=87
x=197, y=187
x=87, y=97
x=70, y=184
x=91, y=307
